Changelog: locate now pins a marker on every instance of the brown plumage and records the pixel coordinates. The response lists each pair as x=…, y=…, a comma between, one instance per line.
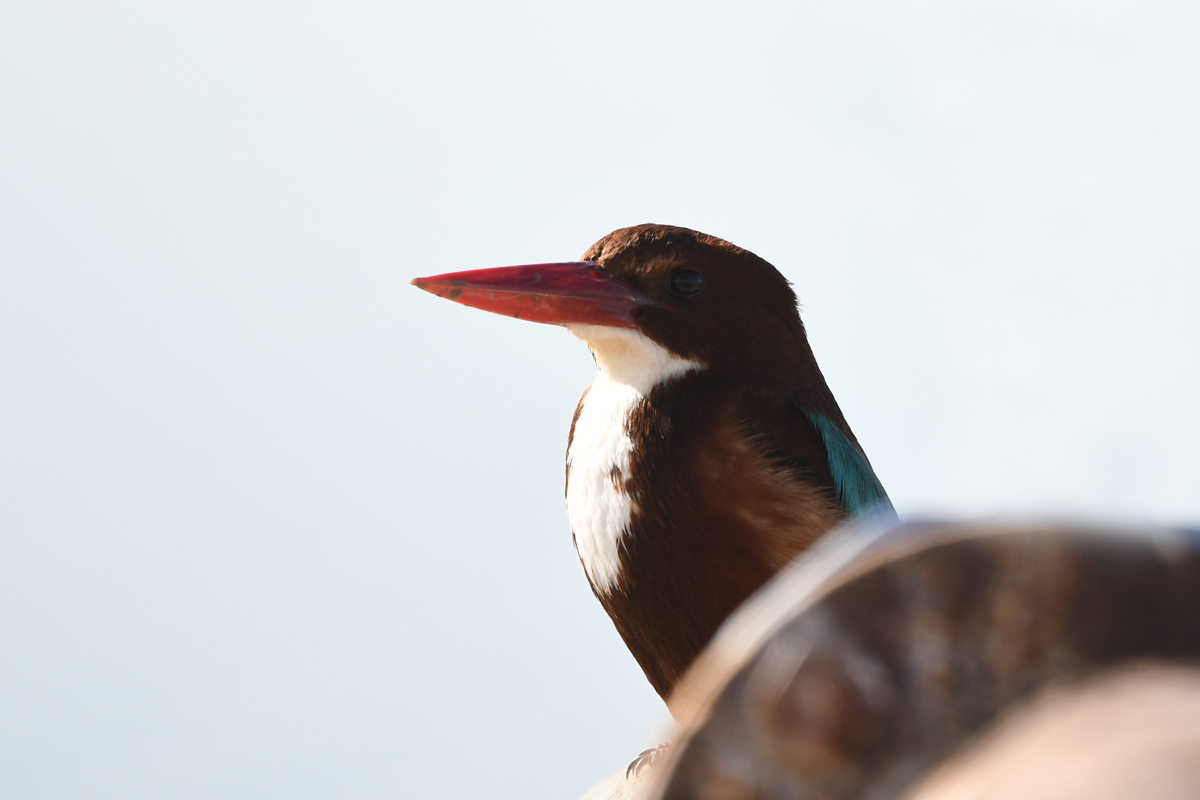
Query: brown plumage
x=730, y=481
x=715, y=517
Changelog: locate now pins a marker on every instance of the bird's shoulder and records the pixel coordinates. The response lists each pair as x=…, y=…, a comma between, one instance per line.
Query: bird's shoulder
x=761, y=467
x=783, y=433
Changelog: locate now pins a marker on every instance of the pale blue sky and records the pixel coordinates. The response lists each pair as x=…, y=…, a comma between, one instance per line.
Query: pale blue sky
x=274, y=523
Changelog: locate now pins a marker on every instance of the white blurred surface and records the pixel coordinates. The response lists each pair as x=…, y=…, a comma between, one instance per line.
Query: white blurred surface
x=274, y=523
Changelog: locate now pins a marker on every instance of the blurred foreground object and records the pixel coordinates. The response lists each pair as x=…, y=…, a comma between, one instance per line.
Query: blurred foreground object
x=939, y=661
x=1130, y=733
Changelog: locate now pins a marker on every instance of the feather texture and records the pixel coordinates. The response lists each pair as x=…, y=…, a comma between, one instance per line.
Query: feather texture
x=858, y=489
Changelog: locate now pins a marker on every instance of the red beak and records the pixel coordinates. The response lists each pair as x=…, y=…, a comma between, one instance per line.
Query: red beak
x=575, y=292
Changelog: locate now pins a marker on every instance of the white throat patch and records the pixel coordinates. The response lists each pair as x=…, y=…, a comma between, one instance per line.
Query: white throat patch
x=598, y=460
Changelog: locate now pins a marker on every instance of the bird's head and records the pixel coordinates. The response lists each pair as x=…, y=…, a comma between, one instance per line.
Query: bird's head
x=648, y=288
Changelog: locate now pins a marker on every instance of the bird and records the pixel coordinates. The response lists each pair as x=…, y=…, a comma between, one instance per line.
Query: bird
x=708, y=452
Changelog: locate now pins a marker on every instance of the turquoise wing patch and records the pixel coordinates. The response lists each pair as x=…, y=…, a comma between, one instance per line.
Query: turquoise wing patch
x=858, y=490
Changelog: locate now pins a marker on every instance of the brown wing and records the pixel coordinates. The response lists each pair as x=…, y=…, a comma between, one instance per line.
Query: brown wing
x=785, y=477
x=786, y=438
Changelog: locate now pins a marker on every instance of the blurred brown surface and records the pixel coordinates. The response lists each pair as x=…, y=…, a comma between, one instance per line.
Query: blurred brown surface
x=863, y=668
x=1131, y=733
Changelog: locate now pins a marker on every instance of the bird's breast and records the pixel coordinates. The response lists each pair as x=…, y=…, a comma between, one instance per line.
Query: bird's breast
x=598, y=463
x=601, y=449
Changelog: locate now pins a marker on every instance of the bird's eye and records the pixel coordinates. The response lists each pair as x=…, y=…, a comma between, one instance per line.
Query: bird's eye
x=686, y=282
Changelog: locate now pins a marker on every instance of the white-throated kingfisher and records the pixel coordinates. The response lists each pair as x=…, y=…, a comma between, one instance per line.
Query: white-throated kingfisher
x=708, y=452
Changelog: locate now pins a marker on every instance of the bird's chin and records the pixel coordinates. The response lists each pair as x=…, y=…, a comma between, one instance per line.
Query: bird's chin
x=626, y=355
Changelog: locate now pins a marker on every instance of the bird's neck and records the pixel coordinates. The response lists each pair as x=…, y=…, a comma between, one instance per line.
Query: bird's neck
x=631, y=359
